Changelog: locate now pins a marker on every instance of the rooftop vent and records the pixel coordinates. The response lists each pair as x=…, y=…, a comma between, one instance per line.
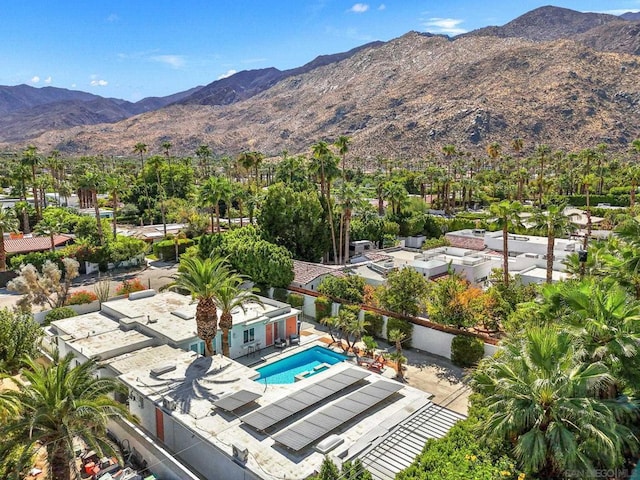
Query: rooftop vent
x=168, y=404
x=156, y=372
x=240, y=454
x=329, y=443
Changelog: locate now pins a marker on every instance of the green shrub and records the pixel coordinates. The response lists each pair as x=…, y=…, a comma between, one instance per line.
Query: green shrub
x=81, y=297
x=355, y=309
x=375, y=322
x=166, y=249
x=59, y=313
x=594, y=200
x=296, y=300
x=280, y=294
x=37, y=259
x=323, y=308
x=402, y=325
x=466, y=351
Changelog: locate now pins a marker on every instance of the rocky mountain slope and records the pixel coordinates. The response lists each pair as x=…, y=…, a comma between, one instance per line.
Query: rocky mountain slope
x=406, y=98
x=401, y=98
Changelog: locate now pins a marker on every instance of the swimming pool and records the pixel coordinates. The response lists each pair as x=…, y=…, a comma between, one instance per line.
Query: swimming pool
x=310, y=361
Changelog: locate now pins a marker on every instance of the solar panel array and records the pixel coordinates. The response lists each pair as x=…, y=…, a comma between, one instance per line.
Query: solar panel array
x=269, y=415
x=236, y=400
x=317, y=425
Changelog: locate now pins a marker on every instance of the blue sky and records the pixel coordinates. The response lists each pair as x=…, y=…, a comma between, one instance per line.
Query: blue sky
x=133, y=49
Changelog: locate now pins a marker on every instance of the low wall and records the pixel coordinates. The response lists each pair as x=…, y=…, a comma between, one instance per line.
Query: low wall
x=79, y=309
x=428, y=337
x=161, y=463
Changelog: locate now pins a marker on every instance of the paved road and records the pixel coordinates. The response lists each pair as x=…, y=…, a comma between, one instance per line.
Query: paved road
x=155, y=276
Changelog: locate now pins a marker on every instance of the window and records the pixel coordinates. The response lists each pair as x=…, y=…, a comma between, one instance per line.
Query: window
x=197, y=347
x=249, y=335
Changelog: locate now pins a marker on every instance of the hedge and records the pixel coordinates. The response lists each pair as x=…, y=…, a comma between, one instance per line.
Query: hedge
x=323, y=308
x=466, y=351
x=376, y=322
x=295, y=300
x=58, y=314
x=37, y=259
x=166, y=249
x=402, y=325
x=594, y=200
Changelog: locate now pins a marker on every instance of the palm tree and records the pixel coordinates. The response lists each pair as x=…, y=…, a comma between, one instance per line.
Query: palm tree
x=31, y=158
x=115, y=186
x=555, y=223
x=398, y=336
x=543, y=151
x=633, y=174
x=214, y=190
x=342, y=144
x=396, y=194
x=541, y=398
x=141, y=148
x=494, y=150
x=203, y=279
x=203, y=152
x=8, y=223
x=57, y=403
x=156, y=163
x=324, y=163
x=230, y=297
x=50, y=225
x=508, y=216
x=166, y=146
x=348, y=199
x=92, y=182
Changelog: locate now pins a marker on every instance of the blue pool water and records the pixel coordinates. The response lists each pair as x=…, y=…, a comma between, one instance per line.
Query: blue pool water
x=285, y=370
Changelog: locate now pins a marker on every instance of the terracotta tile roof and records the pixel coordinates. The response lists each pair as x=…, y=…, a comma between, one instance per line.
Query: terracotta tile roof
x=33, y=244
x=305, y=272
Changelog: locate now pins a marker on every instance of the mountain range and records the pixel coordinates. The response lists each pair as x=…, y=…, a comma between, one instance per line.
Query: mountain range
x=553, y=75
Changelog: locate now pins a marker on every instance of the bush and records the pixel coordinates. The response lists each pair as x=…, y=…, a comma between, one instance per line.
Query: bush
x=81, y=297
x=402, y=325
x=376, y=322
x=37, y=259
x=280, y=294
x=594, y=200
x=130, y=286
x=466, y=351
x=323, y=308
x=295, y=300
x=166, y=249
x=59, y=313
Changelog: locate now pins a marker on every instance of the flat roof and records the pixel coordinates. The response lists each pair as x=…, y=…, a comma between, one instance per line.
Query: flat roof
x=104, y=344
x=85, y=325
x=148, y=357
x=197, y=382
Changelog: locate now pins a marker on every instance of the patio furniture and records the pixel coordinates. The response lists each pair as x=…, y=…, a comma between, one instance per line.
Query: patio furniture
x=279, y=343
x=294, y=339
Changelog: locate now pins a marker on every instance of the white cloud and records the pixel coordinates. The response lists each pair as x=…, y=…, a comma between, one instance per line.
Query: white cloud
x=113, y=18
x=359, y=8
x=47, y=80
x=382, y=7
x=35, y=79
x=228, y=73
x=174, y=61
x=448, y=26
x=73, y=85
x=98, y=83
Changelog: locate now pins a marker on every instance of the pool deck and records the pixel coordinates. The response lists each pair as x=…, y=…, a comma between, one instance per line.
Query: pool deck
x=429, y=373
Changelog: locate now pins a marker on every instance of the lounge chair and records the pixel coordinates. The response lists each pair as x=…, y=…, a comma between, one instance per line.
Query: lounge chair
x=294, y=339
x=279, y=343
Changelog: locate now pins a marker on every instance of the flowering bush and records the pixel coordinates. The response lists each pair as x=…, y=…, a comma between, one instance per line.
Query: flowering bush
x=80, y=297
x=130, y=286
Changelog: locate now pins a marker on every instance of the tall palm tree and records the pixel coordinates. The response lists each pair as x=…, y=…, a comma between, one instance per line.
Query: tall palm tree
x=398, y=336
x=203, y=280
x=342, y=144
x=348, y=198
x=93, y=182
x=8, y=223
x=214, y=190
x=166, y=146
x=324, y=163
x=203, y=152
x=507, y=216
x=156, y=163
x=228, y=298
x=57, y=403
x=542, y=400
x=555, y=223
x=140, y=149
x=494, y=150
x=633, y=175
x=20, y=175
x=542, y=152
x=116, y=185
x=31, y=158
x=396, y=194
